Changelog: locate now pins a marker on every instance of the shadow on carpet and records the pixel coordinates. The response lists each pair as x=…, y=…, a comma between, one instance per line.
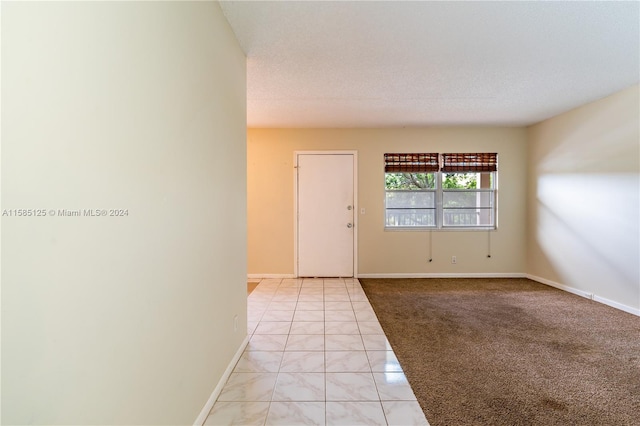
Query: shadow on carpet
x=510, y=352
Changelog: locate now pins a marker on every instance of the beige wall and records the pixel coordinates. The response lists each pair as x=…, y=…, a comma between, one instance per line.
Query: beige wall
x=584, y=199
x=138, y=106
x=271, y=205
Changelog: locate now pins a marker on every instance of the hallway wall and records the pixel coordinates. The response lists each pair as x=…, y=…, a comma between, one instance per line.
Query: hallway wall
x=137, y=106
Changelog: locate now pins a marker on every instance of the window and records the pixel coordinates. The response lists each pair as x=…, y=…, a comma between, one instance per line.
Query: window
x=410, y=182
x=441, y=191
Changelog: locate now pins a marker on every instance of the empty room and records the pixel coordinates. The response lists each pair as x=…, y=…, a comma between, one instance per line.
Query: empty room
x=329, y=213
x=456, y=159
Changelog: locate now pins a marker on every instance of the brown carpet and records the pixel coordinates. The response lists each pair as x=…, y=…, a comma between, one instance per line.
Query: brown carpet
x=511, y=352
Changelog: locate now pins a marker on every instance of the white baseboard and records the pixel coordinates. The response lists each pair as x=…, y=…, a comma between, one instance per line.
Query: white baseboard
x=202, y=417
x=261, y=276
x=585, y=294
x=559, y=286
x=625, y=308
x=446, y=275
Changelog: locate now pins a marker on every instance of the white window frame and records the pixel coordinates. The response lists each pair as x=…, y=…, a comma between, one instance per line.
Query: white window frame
x=440, y=210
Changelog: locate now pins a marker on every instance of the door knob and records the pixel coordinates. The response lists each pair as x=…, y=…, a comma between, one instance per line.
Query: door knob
x=349, y=225
x=349, y=207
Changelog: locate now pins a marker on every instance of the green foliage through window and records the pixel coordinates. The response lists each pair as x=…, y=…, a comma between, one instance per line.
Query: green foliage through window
x=408, y=181
x=460, y=181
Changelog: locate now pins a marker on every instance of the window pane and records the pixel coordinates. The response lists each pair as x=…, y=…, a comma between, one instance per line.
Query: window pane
x=410, y=181
x=460, y=180
x=411, y=217
x=468, y=217
x=451, y=199
x=468, y=180
x=411, y=199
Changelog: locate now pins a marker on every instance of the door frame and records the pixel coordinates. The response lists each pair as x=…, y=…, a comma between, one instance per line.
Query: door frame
x=355, y=204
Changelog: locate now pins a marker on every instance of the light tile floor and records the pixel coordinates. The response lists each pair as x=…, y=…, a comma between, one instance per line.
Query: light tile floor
x=317, y=356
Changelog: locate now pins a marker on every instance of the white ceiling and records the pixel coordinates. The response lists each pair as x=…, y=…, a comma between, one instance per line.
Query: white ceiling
x=396, y=63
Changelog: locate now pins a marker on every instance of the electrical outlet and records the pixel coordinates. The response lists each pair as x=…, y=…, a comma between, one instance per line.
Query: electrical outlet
x=454, y=260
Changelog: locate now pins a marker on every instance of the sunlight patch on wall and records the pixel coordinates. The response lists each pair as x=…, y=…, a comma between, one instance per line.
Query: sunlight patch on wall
x=588, y=226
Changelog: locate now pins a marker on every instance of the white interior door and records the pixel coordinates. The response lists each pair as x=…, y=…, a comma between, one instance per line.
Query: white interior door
x=325, y=215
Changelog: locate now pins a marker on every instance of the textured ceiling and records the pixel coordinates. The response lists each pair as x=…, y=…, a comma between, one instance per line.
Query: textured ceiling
x=396, y=63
